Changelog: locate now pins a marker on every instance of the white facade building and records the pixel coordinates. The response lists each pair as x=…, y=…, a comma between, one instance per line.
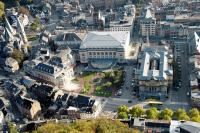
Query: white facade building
x=155, y=72
x=148, y=24
x=57, y=70
x=110, y=47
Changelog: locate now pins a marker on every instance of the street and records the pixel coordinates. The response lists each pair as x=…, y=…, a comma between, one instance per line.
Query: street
x=181, y=94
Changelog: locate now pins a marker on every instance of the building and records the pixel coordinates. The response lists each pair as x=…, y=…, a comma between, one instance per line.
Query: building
x=11, y=65
x=190, y=127
x=70, y=40
x=103, y=49
x=194, y=43
x=102, y=4
x=43, y=93
x=195, y=99
x=148, y=24
x=154, y=74
x=122, y=20
x=56, y=69
x=28, y=107
x=158, y=126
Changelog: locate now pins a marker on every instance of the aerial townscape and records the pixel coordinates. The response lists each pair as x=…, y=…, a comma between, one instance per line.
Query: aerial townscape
x=100, y=66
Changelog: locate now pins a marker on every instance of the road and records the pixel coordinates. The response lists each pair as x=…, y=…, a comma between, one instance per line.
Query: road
x=181, y=94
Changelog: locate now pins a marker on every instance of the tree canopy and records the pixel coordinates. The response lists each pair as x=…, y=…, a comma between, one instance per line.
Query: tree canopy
x=1, y=9
x=166, y=114
x=123, y=108
x=18, y=55
x=86, y=126
x=137, y=111
x=180, y=114
x=194, y=115
x=152, y=113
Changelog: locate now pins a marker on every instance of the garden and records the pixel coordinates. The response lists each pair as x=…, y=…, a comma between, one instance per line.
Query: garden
x=101, y=83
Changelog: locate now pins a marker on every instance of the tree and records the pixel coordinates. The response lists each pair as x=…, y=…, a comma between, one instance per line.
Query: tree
x=24, y=10
x=108, y=84
x=166, y=114
x=194, y=115
x=12, y=128
x=137, y=111
x=18, y=55
x=152, y=113
x=194, y=112
x=36, y=24
x=122, y=115
x=123, y=108
x=85, y=126
x=180, y=114
x=1, y=9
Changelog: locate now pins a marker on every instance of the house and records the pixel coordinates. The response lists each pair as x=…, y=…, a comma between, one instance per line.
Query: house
x=13, y=89
x=11, y=65
x=43, y=93
x=28, y=107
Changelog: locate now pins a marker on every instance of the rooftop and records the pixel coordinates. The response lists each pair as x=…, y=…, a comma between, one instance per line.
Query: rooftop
x=154, y=64
x=105, y=40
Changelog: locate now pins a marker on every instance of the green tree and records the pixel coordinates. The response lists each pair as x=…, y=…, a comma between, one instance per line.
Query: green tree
x=137, y=111
x=194, y=115
x=12, y=128
x=166, y=114
x=180, y=114
x=123, y=108
x=194, y=112
x=18, y=55
x=1, y=9
x=108, y=84
x=152, y=113
x=36, y=24
x=85, y=126
x=122, y=115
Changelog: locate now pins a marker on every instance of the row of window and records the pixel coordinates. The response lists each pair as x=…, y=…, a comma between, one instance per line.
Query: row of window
x=102, y=53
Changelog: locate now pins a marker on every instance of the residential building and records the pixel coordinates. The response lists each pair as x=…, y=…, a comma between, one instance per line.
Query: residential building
x=154, y=74
x=56, y=69
x=123, y=20
x=43, y=93
x=195, y=99
x=102, y=49
x=148, y=24
x=13, y=89
x=11, y=65
x=194, y=43
x=102, y=4
x=28, y=107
